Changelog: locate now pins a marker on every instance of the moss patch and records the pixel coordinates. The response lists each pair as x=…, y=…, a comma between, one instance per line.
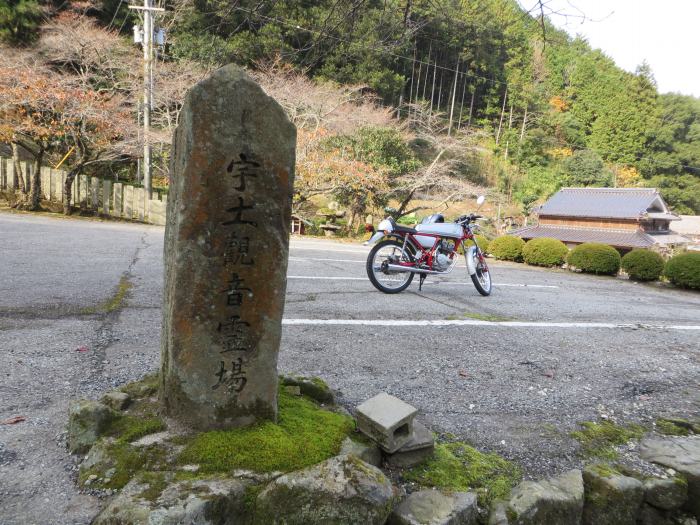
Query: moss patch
x=146, y=387
x=677, y=427
x=156, y=485
x=126, y=461
x=479, y=317
x=116, y=302
x=305, y=435
x=599, y=439
x=604, y=470
x=459, y=467
x=127, y=428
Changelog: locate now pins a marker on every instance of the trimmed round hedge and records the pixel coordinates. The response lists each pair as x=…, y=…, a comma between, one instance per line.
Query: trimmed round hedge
x=507, y=248
x=545, y=251
x=483, y=243
x=684, y=270
x=594, y=257
x=643, y=265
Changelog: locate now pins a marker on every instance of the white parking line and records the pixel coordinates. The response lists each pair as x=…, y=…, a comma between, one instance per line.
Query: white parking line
x=293, y=247
x=329, y=260
x=328, y=278
x=476, y=322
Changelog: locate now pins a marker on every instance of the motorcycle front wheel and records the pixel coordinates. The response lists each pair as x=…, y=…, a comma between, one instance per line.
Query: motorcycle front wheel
x=482, y=276
x=385, y=253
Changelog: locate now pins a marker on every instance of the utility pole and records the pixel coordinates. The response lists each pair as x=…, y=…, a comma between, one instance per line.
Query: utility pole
x=146, y=39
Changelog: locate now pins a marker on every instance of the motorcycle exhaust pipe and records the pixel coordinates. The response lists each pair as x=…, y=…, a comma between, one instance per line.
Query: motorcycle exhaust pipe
x=399, y=268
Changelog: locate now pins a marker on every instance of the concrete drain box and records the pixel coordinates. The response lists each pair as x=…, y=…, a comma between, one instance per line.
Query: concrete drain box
x=387, y=420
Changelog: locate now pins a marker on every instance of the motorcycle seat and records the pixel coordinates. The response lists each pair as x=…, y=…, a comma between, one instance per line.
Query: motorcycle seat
x=404, y=229
x=447, y=229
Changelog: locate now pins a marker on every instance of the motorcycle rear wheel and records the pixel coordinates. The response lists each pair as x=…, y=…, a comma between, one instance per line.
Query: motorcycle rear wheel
x=381, y=255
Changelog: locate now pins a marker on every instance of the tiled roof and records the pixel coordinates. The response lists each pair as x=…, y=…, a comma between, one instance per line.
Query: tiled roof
x=620, y=238
x=614, y=203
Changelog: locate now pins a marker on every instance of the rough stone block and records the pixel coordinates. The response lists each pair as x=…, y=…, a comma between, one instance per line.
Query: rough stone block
x=128, y=202
x=367, y=452
x=226, y=252
x=343, y=490
x=139, y=204
x=10, y=176
x=312, y=387
x=666, y=494
x=417, y=449
x=156, y=212
x=436, y=508
x=116, y=400
x=556, y=501
x=87, y=420
x=45, y=174
x=681, y=454
x=84, y=191
x=611, y=498
x=201, y=502
x=94, y=193
x=117, y=207
x=387, y=420
x=106, y=196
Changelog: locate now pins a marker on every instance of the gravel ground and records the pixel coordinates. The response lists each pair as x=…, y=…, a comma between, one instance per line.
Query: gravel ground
x=518, y=391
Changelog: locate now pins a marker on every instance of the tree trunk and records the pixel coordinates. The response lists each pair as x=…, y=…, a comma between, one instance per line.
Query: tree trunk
x=19, y=174
x=35, y=193
x=500, y=122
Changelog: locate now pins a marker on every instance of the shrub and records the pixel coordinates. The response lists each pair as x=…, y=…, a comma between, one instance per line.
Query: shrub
x=545, y=252
x=684, y=270
x=594, y=257
x=483, y=243
x=507, y=248
x=643, y=265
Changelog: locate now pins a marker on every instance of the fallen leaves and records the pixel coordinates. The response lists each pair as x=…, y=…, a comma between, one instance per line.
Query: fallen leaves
x=13, y=420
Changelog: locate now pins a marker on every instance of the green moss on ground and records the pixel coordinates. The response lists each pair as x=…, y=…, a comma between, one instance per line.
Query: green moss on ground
x=146, y=387
x=127, y=461
x=604, y=470
x=459, y=467
x=479, y=317
x=599, y=439
x=116, y=301
x=676, y=427
x=128, y=428
x=156, y=485
x=304, y=435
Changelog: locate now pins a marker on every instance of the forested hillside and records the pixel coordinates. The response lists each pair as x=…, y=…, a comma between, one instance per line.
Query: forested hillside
x=466, y=93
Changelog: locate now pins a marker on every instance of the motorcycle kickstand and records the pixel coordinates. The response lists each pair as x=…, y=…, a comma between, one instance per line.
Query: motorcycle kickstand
x=420, y=283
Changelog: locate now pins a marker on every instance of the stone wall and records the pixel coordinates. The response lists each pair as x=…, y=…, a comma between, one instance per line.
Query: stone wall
x=102, y=196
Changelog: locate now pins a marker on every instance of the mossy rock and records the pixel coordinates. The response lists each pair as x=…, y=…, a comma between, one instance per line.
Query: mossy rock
x=152, y=499
x=343, y=490
x=87, y=421
x=611, y=500
x=313, y=387
x=145, y=387
x=556, y=501
x=113, y=464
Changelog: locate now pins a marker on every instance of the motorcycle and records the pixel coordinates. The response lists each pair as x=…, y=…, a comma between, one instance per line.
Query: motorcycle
x=432, y=248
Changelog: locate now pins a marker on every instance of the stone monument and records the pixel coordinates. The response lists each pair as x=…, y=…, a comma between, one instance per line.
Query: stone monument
x=226, y=248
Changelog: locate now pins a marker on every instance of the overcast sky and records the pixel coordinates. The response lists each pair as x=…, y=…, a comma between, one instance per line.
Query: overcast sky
x=665, y=33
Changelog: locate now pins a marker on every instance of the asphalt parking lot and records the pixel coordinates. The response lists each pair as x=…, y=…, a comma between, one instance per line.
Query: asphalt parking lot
x=512, y=373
